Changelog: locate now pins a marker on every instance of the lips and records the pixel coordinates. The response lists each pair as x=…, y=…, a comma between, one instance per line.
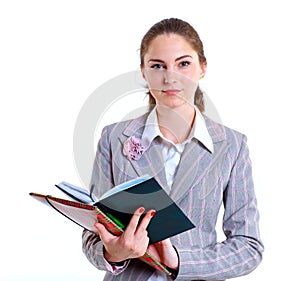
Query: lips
x=171, y=92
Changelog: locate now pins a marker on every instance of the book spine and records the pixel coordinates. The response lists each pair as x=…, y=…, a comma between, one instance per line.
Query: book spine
x=150, y=260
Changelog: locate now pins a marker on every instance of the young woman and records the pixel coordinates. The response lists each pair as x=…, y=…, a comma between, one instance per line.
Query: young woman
x=200, y=163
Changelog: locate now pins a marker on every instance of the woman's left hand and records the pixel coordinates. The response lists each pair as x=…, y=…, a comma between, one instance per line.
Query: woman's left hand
x=165, y=253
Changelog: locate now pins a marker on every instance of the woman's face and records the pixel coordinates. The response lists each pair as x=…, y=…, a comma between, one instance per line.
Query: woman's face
x=172, y=70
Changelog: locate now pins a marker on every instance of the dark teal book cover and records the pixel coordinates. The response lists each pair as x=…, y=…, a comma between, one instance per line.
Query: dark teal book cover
x=169, y=219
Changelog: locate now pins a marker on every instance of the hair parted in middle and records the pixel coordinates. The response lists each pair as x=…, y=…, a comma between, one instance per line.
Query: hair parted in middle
x=184, y=29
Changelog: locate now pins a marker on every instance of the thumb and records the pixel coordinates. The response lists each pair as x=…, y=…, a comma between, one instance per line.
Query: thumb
x=103, y=233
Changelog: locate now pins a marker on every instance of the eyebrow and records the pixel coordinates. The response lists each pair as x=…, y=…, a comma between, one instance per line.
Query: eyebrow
x=177, y=59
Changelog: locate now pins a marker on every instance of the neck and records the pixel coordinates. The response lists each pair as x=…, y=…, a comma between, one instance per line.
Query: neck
x=176, y=124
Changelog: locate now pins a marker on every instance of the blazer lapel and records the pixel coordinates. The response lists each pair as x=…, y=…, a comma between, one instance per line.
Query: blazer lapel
x=194, y=163
x=151, y=161
x=197, y=162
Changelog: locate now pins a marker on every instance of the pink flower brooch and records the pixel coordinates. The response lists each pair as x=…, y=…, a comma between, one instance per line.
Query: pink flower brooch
x=133, y=148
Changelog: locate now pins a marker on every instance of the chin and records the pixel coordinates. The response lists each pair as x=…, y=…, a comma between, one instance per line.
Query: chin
x=173, y=103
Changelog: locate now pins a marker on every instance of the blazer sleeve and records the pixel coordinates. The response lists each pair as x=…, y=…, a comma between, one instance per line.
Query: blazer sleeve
x=101, y=181
x=242, y=251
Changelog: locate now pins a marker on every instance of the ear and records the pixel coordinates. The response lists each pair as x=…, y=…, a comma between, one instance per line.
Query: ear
x=203, y=70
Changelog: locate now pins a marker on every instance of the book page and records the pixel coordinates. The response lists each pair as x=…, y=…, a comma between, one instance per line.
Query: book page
x=124, y=186
x=85, y=217
x=76, y=192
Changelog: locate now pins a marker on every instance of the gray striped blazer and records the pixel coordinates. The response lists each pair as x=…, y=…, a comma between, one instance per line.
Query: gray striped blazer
x=203, y=182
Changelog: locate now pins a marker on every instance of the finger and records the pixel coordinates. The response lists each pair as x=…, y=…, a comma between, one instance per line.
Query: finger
x=131, y=227
x=146, y=220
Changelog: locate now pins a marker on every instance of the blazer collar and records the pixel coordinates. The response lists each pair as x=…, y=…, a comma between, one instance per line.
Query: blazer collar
x=216, y=130
x=136, y=126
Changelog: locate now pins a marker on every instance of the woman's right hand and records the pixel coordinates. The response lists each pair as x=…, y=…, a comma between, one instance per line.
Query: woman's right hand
x=133, y=242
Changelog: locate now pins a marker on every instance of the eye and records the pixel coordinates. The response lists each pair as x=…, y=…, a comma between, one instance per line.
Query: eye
x=184, y=64
x=157, y=66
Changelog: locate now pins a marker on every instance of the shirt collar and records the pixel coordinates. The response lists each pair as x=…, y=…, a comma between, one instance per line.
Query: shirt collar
x=199, y=131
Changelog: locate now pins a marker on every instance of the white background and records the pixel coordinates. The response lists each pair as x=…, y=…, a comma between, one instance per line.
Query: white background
x=54, y=54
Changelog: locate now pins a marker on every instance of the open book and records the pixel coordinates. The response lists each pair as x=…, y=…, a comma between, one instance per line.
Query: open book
x=115, y=208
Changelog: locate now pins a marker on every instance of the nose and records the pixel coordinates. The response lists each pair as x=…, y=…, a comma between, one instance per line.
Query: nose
x=170, y=77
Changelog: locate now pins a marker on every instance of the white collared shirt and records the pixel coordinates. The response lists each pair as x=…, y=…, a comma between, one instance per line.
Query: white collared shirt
x=171, y=151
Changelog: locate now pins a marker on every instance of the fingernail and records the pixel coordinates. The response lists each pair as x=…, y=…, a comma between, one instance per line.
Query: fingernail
x=141, y=210
x=153, y=213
